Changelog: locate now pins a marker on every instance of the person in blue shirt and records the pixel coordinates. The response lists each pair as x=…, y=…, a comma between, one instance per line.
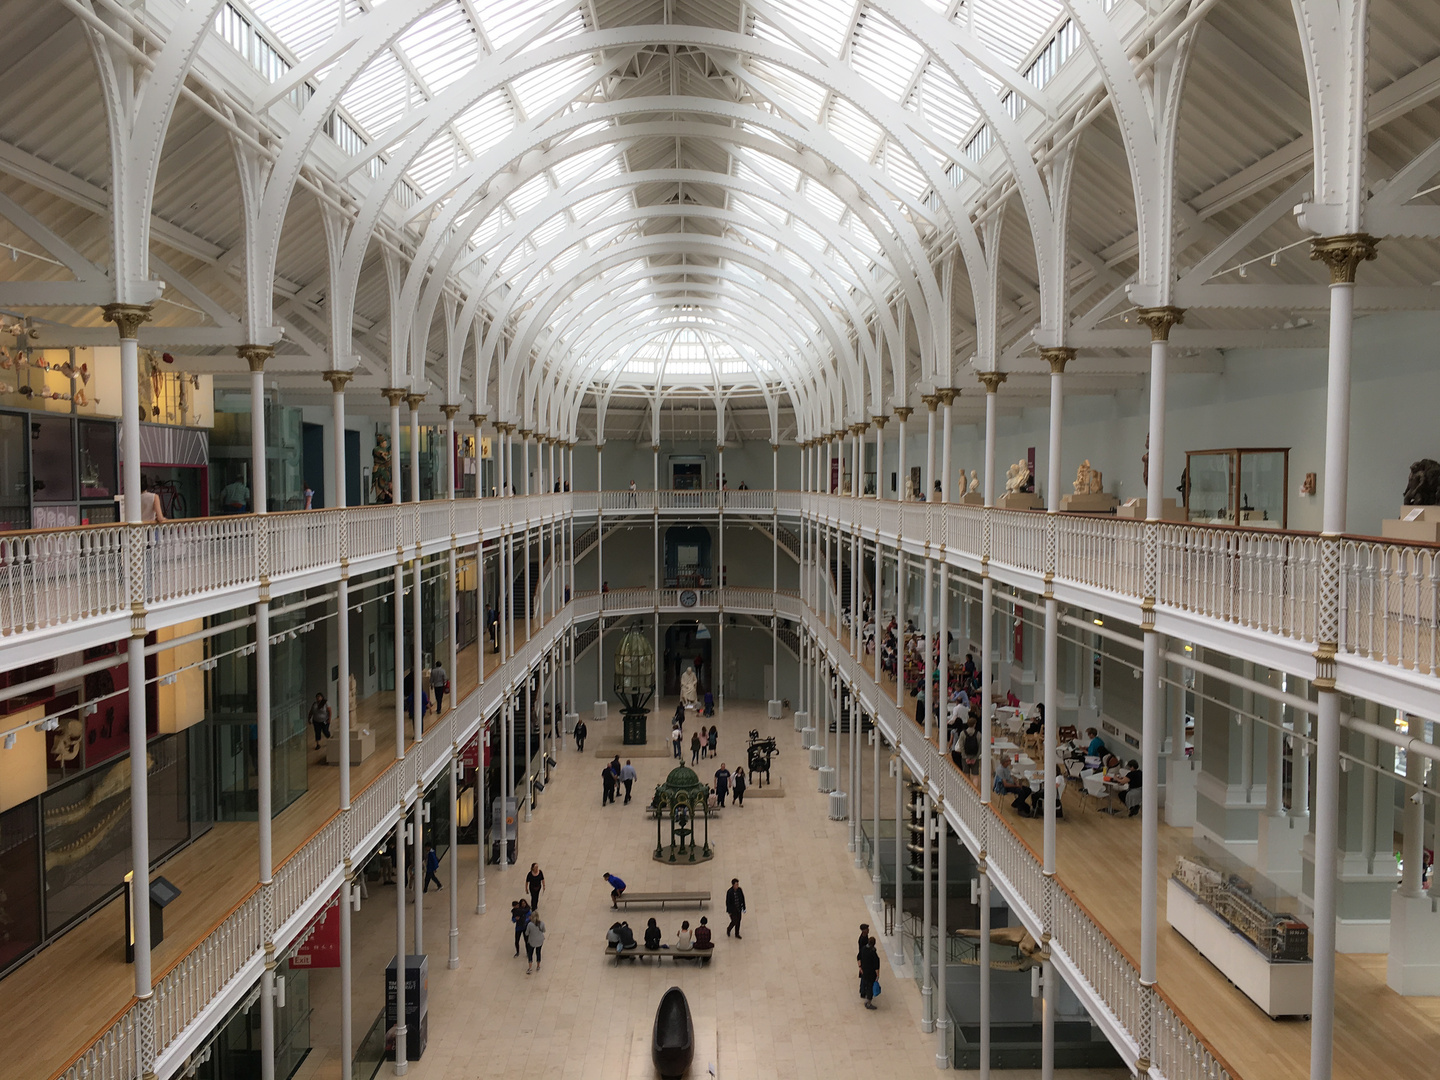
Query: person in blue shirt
x=617, y=888
x=1097, y=744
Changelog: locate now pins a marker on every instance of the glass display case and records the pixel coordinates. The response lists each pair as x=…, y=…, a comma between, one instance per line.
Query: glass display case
x=1247, y=486
x=1252, y=905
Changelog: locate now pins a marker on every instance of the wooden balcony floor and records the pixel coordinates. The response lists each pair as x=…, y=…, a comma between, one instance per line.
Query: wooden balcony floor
x=1377, y=1031
x=213, y=874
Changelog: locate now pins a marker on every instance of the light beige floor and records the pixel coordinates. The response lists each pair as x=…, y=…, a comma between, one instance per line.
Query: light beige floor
x=780, y=1003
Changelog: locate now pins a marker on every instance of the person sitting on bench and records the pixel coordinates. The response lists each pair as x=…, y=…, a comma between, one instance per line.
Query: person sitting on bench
x=652, y=936
x=621, y=937
x=685, y=940
x=703, y=940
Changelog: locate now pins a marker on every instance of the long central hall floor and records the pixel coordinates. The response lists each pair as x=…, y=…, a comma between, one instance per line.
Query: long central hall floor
x=782, y=1002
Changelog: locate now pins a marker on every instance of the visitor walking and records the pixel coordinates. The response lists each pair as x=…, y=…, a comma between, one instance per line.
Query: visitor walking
x=432, y=863
x=869, y=971
x=607, y=781
x=534, y=942
x=439, y=686
x=722, y=784
x=675, y=741
x=535, y=884
x=520, y=916
x=734, y=906
x=740, y=784
x=320, y=718
x=580, y=733
x=627, y=777
x=695, y=748
x=713, y=739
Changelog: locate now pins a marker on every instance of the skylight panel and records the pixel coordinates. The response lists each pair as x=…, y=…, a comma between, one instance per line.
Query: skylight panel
x=528, y=195
x=1014, y=28
x=807, y=234
x=548, y=230
x=823, y=199
x=434, y=164
x=587, y=165
x=505, y=20
x=486, y=123
x=799, y=95
x=539, y=90
x=826, y=22
x=779, y=173
x=441, y=47
x=885, y=56
x=596, y=206
x=856, y=131
x=945, y=106
x=379, y=95
x=862, y=234
x=902, y=171
x=302, y=26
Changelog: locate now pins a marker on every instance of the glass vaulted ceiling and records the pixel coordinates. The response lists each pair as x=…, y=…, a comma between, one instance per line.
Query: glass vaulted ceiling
x=704, y=311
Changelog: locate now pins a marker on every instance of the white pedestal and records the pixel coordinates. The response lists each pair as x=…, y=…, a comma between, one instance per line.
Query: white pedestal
x=1136, y=510
x=362, y=745
x=1180, y=792
x=571, y=719
x=774, y=705
x=827, y=779
x=1021, y=500
x=1413, y=967
x=802, y=720
x=817, y=757
x=970, y=498
x=838, y=805
x=807, y=738
x=1425, y=528
x=601, y=710
x=1280, y=989
x=1097, y=503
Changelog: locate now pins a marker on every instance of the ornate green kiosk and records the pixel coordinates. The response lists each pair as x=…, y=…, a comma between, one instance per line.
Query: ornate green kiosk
x=684, y=800
x=634, y=683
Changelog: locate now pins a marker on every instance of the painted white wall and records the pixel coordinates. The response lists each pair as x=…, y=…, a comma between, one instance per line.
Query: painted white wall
x=1263, y=397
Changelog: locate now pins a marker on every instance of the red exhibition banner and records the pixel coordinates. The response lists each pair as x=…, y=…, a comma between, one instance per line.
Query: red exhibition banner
x=320, y=944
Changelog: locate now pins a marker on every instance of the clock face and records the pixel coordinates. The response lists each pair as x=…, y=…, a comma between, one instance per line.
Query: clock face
x=688, y=598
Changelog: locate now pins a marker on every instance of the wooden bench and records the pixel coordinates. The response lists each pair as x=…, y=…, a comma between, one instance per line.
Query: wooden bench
x=662, y=898
x=702, y=956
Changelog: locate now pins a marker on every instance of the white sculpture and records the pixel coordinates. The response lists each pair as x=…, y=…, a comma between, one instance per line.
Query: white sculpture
x=1016, y=477
x=974, y=483
x=688, y=689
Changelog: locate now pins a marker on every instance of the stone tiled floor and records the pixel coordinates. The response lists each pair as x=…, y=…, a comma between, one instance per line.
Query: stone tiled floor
x=780, y=1003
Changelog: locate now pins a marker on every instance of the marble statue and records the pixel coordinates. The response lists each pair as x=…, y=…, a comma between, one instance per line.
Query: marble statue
x=688, y=689
x=909, y=489
x=1016, y=477
x=974, y=488
x=1088, y=480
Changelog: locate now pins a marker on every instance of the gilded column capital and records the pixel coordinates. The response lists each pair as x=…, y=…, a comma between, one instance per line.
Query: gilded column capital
x=1057, y=356
x=450, y=411
x=720, y=448
x=1343, y=254
x=654, y=448
x=858, y=429
x=526, y=433
x=903, y=412
x=414, y=400
x=879, y=422
x=394, y=395
x=992, y=380
x=127, y=318
x=1160, y=320
x=947, y=394
x=477, y=418
x=930, y=400
x=255, y=355
x=337, y=379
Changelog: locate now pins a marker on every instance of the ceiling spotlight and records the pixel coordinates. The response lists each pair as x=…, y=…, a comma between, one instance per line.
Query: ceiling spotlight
x=1244, y=272
x=1275, y=259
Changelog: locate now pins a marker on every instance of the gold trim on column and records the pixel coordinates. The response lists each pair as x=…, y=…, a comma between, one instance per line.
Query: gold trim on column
x=992, y=380
x=947, y=395
x=394, y=395
x=879, y=421
x=127, y=318
x=903, y=412
x=1343, y=254
x=255, y=355
x=414, y=400
x=449, y=411
x=858, y=429
x=930, y=400
x=1160, y=320
x=477, y=418
x=1057, y=356
x=337, y=379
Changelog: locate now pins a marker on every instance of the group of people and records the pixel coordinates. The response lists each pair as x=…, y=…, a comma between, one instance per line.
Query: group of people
x=613, y=776
x=433, y=688
x=621, y=938
x=725, y=780
x=525, y=914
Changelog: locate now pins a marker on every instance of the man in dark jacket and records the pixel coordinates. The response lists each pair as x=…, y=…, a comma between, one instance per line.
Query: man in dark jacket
x=607, y=778
x=734, y=906
x=580, y=733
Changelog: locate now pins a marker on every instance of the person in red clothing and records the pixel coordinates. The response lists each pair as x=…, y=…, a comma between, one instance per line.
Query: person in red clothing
x=703, y=939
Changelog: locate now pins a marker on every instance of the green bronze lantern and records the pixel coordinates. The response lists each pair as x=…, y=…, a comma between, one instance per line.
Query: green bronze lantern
x=634, y=683
x=684, y=800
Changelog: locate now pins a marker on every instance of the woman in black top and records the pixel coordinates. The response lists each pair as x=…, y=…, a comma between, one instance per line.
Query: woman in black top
x=652, y=936
x=534, y=883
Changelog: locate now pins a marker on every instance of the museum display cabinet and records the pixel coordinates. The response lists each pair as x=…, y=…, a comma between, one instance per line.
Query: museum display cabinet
x=1246, y=486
